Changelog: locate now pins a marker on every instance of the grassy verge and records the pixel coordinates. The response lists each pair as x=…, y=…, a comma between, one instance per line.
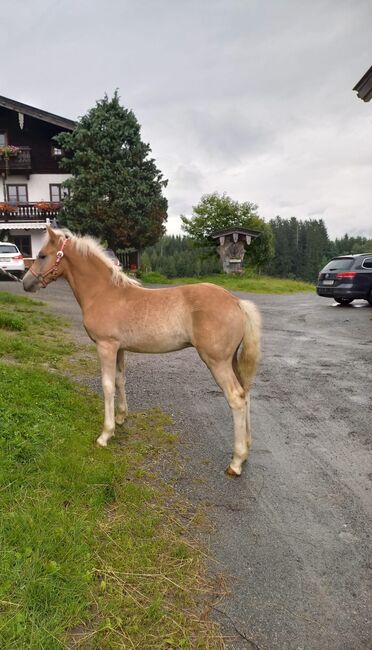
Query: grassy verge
x=251, y=284
x=94, y=552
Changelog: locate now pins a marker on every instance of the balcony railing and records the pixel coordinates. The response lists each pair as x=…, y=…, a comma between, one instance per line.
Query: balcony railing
x=29, y=211
x=18, y=162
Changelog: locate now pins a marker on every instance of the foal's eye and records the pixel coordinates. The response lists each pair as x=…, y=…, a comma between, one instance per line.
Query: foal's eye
x=41, y=256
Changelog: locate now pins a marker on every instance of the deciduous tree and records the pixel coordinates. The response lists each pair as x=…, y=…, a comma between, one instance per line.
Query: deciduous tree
x=215, y=212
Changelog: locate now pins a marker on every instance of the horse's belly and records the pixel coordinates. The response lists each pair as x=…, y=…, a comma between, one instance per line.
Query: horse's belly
x=156, y=349
x=154, y=344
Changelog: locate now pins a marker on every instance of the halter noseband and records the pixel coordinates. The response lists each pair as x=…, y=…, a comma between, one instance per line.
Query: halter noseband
x=41, y=276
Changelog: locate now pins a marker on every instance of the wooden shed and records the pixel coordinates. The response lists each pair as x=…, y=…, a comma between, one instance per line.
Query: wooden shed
x=232, y=244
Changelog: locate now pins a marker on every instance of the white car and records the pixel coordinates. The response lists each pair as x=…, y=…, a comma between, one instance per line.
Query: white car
x=11, y=259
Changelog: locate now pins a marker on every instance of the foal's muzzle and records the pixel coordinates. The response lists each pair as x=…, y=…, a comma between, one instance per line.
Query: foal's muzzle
x=31, y=283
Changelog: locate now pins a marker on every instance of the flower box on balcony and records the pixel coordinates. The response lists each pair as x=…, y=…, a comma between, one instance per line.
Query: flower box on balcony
x=8, y=150
x=15, y=160
x=7, y=207
x=47, y=206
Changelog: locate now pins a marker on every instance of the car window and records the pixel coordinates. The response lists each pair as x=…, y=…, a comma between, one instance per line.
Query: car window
x=339, y=264
x=367, y=263
x=8, y=248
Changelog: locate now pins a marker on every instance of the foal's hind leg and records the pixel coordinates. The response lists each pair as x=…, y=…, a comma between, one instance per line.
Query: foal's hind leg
x=247, y=402
x=122, y=406
x=226, y=378
x=248, y=418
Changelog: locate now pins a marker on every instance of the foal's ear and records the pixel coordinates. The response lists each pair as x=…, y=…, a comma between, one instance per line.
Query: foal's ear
x=53, y=237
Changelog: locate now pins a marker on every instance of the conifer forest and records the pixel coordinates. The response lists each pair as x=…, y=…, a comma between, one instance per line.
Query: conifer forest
x=300, y=249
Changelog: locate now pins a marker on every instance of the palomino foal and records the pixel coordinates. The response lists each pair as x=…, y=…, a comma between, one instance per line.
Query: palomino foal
x=119, y=314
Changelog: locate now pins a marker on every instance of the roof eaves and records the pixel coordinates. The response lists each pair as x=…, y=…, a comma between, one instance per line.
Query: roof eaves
x=227, y=231
x=364, y=86
x=37, y=113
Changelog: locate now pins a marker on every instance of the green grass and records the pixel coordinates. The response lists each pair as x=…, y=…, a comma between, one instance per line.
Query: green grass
x=12, y=322
x=251, y=284
x=11, y=299
x=29, y=334
x=93, y=546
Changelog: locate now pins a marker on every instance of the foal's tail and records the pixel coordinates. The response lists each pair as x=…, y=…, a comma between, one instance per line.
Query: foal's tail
x=250, y=349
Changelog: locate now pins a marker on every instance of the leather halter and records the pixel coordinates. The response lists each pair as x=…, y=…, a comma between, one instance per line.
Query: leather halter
x=41, y=276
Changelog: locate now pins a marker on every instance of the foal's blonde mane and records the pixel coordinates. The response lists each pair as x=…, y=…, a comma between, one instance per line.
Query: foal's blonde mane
x=86, y=245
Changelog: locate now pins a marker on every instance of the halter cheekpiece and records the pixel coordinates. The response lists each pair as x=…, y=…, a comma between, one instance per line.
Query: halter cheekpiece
x=42, y=276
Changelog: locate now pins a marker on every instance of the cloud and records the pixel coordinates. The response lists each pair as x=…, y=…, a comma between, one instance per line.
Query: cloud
x=252, y=98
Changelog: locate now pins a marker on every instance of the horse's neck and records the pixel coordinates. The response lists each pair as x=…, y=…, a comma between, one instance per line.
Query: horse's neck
x=88, y=277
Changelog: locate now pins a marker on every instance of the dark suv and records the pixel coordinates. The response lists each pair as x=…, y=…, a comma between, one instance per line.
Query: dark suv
x=347, y=277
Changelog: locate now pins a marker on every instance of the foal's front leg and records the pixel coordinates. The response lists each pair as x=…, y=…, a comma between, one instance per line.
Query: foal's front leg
x=122, y=406
x=107, y=353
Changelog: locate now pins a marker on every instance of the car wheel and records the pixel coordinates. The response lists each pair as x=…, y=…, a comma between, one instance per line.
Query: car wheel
x=344, y=301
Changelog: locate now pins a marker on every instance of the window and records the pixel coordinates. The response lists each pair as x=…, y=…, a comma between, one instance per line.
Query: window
x=8, y=248
x=57, y=193
x=17, y=193
x=339, y=264
x=367, y=263
x=3, y=138
x=56, y=152
x=24, y=244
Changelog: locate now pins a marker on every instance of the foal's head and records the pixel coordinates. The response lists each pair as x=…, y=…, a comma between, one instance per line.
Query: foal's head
x=49, y=264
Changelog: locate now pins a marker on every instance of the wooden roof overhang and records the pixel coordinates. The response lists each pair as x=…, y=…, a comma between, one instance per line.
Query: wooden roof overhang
x=364, y=86
x=230, y=231
x=37, y=113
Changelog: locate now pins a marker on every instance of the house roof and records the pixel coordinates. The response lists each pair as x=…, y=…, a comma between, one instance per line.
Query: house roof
x=39, y=114
x=364, y=86
x=230, y=231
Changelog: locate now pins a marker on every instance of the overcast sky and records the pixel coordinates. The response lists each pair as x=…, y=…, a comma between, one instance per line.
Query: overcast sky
x=249, y=97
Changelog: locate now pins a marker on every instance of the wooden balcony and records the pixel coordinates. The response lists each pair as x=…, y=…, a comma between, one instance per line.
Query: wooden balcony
x=28, y=212
x=19, y=163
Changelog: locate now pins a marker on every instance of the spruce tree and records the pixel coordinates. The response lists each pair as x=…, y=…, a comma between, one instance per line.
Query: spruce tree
x=115, y=191
x=145, y=262
x=300, y=248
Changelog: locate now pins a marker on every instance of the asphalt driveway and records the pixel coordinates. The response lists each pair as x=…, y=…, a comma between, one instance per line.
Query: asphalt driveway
x=292, y=534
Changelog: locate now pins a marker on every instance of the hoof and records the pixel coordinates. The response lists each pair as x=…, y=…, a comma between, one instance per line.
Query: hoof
x=103, y=439
x=231, y=472
x=120, y=418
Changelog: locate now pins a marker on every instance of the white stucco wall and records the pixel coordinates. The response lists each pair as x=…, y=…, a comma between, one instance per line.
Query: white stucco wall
x=38, y=190
x=37, y=240
x=37, y=185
